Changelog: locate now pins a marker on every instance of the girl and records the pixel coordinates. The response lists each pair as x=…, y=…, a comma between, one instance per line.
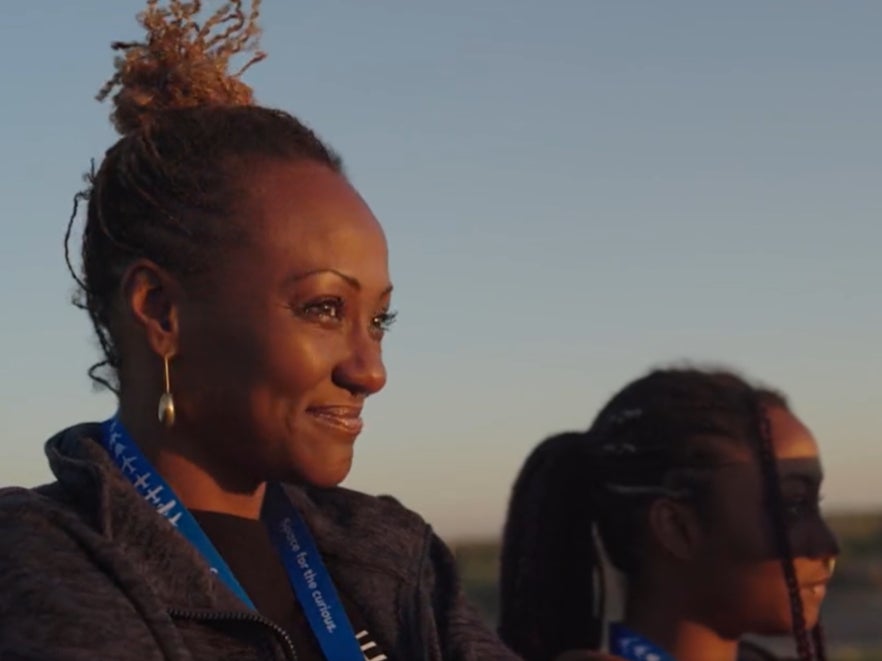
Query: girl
x=704, y=492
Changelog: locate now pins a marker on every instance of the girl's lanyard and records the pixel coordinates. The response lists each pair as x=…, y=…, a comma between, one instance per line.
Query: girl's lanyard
x=632, y=646
x=310, y=579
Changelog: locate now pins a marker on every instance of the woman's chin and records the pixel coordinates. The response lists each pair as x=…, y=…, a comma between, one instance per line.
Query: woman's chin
x=784, y=625
x=812, y=617
x=326, y=474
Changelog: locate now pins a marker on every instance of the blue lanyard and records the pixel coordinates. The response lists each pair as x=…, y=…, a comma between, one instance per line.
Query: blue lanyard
x=310, y=579
x=632, y=646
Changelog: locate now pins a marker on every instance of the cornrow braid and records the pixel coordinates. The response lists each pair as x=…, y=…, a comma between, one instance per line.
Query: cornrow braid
x=173, y=188
x=772, y=481
x=819, y=642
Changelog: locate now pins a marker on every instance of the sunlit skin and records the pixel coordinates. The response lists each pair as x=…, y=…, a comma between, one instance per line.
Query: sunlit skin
x=274, y=350
x=714, y=574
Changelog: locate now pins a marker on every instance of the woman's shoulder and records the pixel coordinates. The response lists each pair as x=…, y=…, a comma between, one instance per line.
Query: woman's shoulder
x=36, y=521
x=61, y=504
x=23, y=506
x=43, y=544
x=56, y=598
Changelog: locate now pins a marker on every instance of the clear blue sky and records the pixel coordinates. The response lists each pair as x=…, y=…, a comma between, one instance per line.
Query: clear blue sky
x=573, y=191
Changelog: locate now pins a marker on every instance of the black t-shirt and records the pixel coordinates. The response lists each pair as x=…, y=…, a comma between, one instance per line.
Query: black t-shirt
x=247, y=548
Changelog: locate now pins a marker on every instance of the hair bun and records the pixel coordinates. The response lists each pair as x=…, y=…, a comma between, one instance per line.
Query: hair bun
x=181, y=63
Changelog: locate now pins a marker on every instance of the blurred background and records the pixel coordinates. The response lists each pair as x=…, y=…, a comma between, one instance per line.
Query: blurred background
x=573, y=192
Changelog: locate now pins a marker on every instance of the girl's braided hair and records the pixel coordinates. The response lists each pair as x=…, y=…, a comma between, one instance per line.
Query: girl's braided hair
x=551, y=584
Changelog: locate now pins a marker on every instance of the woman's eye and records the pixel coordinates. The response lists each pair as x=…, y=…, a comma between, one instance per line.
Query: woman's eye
x=383, y=321
x=325, y=309
x=795, y=508
x=332, y=310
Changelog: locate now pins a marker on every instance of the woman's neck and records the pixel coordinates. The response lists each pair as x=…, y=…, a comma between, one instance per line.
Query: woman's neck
x=200, y=489
x=667, y=624
x=199, y=476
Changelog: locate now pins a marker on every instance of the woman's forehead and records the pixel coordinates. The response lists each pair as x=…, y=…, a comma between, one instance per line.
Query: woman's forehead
x=791, y=439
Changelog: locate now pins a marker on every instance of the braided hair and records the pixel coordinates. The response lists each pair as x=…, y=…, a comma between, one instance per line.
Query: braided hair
x=551, y=584
x=167, y=191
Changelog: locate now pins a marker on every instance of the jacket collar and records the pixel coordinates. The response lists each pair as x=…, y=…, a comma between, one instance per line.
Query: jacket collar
x=350, y=528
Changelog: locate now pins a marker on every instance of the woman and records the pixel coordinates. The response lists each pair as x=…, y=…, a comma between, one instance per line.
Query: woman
x=239, y=289
x=701, y=488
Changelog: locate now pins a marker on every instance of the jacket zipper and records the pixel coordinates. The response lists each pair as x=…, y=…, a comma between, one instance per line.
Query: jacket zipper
x=420, y=649
x=214, y=616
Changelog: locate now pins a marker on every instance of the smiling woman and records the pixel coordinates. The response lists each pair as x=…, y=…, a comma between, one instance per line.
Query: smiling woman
x=239, y=288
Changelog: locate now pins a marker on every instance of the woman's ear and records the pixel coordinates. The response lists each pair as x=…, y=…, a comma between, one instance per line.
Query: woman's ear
x=151, y=297
x=676, y=528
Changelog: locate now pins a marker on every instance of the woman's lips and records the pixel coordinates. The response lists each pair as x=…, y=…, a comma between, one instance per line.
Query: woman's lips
x=340, y=418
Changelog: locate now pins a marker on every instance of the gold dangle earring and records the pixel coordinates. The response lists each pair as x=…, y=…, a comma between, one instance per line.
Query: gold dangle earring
x=166, y=401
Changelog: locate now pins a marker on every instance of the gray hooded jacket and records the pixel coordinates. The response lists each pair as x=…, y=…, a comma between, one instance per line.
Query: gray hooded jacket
x=89, y=571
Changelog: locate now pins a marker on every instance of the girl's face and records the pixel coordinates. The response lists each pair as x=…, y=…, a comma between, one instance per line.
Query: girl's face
x=740, y=581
